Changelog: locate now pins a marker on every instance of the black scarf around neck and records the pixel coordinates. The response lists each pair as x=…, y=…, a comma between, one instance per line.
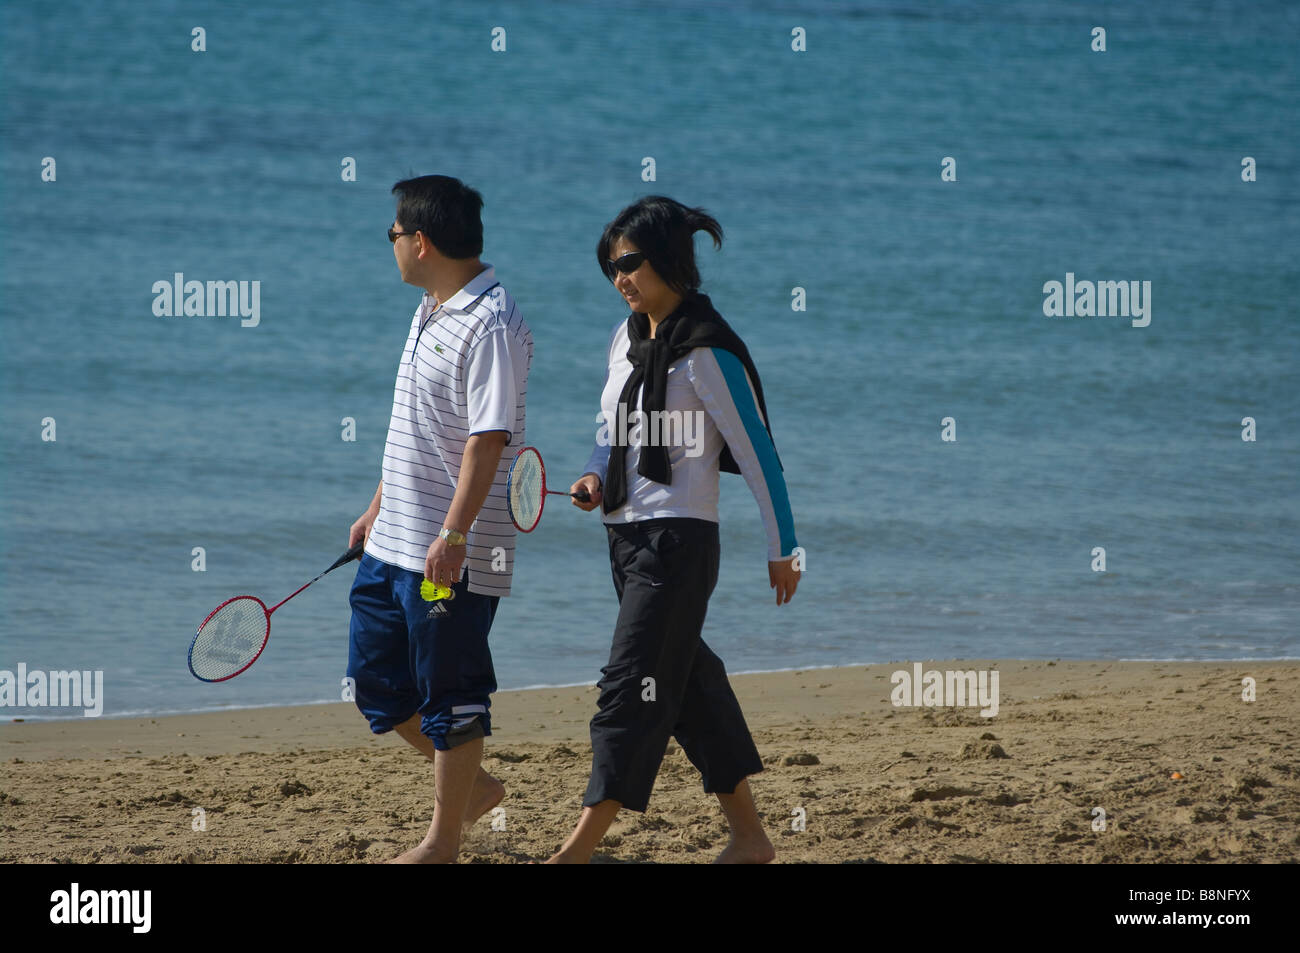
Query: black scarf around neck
x=694, y=324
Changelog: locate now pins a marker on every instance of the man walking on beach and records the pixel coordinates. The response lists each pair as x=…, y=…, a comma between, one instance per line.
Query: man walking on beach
x=422, y=667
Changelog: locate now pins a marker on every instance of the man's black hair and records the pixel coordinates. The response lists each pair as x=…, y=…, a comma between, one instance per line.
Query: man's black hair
x=446, y=210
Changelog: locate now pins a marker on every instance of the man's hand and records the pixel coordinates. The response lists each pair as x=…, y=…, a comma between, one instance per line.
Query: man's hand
x=591, y=483
x=443, y=562
x=784, y=579
x=360, y=531
x=478, y=467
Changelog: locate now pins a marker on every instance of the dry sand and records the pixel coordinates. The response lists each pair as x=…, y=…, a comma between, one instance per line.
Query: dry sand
x=875, y=782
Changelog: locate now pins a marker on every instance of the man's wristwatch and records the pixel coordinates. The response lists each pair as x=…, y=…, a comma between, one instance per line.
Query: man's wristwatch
x=452, y=537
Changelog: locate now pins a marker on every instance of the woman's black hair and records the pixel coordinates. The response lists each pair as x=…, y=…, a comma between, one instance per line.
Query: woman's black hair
x=663, y=231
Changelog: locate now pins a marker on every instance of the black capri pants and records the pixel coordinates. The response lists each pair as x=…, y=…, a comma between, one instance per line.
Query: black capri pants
x=664, y=572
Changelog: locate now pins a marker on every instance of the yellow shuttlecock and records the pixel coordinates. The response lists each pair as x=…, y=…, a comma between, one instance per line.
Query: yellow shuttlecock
x=431, y=593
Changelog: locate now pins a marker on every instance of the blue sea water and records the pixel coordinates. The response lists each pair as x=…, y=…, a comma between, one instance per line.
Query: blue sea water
x=924, y=301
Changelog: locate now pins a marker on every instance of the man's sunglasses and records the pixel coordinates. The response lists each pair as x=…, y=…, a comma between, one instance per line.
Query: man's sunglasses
x=394, y=236
x=624, y=264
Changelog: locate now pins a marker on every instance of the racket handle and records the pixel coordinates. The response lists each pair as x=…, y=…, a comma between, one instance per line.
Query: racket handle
x=353, y=553
x=582, y=496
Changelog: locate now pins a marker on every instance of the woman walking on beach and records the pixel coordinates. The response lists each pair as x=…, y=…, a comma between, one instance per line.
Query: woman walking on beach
x=682, y=401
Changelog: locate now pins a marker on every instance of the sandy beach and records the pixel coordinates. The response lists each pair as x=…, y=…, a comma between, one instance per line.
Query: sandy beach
x=866, y=780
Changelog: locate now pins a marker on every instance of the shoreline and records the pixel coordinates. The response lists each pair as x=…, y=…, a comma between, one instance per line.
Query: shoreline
x=875, y=781
x=171, y=713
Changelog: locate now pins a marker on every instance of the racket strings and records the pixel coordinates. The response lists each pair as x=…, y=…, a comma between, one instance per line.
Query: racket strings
x=230, y=639
x=526, y=490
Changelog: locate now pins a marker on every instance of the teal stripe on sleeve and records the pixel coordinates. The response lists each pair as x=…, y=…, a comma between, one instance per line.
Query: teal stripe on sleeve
x=733, y=372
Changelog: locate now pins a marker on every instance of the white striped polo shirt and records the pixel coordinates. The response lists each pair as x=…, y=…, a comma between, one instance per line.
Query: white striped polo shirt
x=464, y=371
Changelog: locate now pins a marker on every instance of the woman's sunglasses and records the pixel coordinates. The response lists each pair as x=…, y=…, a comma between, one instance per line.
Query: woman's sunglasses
x=624, y=264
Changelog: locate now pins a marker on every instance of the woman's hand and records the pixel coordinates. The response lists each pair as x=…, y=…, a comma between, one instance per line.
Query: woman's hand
x=591, y=483
x=784, y=578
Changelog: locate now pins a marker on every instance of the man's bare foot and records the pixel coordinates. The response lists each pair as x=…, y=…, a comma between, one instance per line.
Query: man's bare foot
x=420, y=854
x=561, y=857
x=747, y=852
x=488, y=793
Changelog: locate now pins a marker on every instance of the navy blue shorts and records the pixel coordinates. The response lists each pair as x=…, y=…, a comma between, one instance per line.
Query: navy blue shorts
x=406, y=655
